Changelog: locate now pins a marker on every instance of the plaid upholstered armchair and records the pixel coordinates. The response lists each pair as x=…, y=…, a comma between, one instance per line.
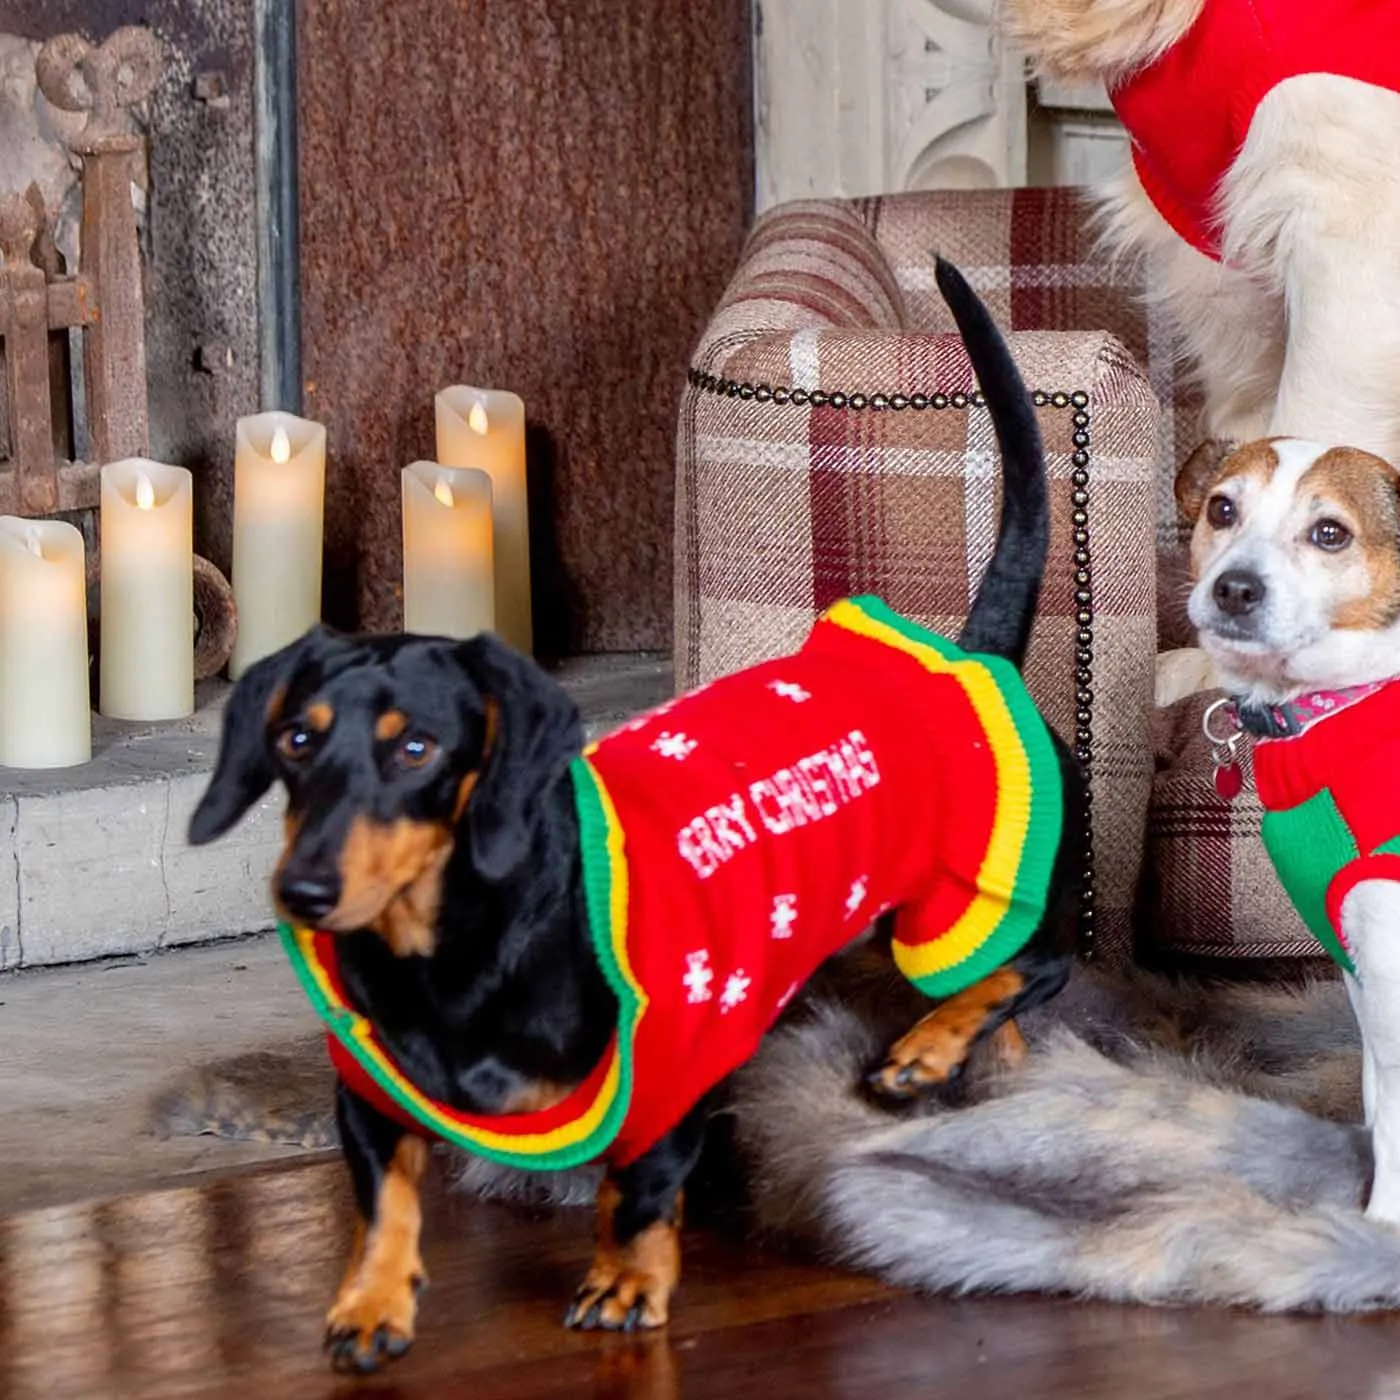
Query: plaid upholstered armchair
x=831, y=441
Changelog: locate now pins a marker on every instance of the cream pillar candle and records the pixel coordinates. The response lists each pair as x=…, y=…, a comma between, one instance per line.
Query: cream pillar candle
x=279, y=489
x=147, y=653
x=45, y=715
x=448, y=559
x=485, y=428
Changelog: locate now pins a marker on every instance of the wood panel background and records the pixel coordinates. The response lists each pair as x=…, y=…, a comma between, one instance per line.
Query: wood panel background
x=540, y=195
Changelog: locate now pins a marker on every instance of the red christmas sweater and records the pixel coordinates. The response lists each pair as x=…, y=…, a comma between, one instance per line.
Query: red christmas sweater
x=735, y=838
x=1190, y=111
x=1331, y=815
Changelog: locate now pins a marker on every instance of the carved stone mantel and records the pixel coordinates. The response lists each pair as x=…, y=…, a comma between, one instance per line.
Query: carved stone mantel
x=858, y=97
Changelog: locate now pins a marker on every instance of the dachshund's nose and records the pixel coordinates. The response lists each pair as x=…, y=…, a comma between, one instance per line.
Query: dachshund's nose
x=1238, y=592
x=308, y=897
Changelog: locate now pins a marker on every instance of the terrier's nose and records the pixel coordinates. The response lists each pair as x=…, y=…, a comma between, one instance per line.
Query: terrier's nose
x=1238, y=592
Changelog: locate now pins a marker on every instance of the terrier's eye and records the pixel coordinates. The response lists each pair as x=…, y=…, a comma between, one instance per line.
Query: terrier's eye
x=1221, y=512
x=1330, y=535
x=416, y=751
x=295, y=743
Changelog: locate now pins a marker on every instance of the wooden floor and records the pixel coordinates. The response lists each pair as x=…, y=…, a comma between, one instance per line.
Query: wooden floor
x=218, y=1291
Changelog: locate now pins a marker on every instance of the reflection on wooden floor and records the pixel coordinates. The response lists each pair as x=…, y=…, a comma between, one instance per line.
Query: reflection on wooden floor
x=219, y=1291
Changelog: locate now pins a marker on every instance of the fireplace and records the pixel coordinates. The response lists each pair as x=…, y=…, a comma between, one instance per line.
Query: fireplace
x=340, y=216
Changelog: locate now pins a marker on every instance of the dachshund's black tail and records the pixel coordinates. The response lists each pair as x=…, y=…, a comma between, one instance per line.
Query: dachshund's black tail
x=1002, y=613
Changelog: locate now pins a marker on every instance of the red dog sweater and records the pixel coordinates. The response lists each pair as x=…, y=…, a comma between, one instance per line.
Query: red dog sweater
x=735, y=838
x=1190, y=111
x=1331, y=817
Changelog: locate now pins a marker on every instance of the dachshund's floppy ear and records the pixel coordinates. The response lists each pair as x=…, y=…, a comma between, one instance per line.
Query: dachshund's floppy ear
x=244, y=770
x=533, y=733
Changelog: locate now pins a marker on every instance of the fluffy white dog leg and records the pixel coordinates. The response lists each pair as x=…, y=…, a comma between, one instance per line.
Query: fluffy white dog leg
x=1371, y=924
x=1233, y=335
x=1312, y=208
x=1229, y=324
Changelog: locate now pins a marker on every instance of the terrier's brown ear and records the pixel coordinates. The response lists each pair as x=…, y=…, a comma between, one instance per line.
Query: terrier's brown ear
x=1197, y=473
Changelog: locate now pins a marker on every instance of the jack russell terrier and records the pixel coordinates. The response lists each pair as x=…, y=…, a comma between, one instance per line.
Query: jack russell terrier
x=1295, y=561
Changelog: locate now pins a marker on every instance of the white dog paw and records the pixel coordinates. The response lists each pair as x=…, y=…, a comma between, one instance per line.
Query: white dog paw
x=1384, y=1206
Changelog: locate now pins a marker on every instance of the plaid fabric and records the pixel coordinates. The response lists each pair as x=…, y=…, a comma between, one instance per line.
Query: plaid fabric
x=1209, y=887
x=1030, y=254
x=785, y=504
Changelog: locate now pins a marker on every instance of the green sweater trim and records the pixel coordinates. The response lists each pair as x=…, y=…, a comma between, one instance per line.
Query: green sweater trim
x=1027, y=908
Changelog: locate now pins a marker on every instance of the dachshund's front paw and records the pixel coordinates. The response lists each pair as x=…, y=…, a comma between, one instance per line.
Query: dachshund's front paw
x=372, y=1322
x=629, y=1286
x=614, y=1298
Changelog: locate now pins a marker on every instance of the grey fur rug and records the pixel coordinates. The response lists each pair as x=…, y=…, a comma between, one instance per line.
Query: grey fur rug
x=1163, y=1144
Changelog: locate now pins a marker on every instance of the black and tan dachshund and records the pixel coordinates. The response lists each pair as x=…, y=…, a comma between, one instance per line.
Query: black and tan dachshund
x=433, y=833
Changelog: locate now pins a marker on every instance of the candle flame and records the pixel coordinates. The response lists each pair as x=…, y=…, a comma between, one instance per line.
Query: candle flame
x=477, y=420
x=34, y=540
x=145, y=492
x=281, y=449
x=443, y=491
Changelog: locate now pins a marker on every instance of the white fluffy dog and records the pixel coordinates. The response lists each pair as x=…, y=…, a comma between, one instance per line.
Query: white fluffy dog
x=1265, y=193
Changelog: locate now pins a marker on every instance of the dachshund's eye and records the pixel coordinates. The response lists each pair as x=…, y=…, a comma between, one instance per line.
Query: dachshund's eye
x=416, y=751
x=295, y=743
x=1330, y=535
x=1221, y=512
